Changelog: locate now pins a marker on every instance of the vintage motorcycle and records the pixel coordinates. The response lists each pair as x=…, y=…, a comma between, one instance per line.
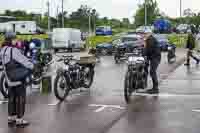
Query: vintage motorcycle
x=136, y=76
x=73, y=76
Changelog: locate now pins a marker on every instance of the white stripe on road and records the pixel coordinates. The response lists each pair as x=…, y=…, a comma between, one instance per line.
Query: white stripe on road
x=54, y=104
x=167, y=95
x=196, y=110
x=102, y=107
x=3, y=102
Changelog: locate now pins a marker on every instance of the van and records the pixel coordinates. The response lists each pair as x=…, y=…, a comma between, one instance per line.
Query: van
x=66, y=39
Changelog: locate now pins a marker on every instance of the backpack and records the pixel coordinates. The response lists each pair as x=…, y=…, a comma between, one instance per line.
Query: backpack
x=14, y=70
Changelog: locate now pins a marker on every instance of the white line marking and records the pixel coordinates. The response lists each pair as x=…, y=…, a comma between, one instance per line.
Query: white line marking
x=54, y=104
x=196, y=110
x=102, y=107
x=2, y=102
x=167, y=95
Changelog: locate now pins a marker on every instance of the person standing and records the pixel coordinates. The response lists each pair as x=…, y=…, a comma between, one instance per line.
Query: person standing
x=190, y=46
x=153, y=53
x=16, y=68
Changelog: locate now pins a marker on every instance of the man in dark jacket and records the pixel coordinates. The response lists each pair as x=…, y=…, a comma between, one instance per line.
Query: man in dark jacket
x=190, y=46
x=153, y=54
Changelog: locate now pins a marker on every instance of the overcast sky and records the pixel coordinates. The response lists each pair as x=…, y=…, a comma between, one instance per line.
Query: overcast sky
x=110, y=8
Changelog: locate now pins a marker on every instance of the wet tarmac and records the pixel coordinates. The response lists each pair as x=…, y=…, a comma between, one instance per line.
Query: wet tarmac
x=103, y=109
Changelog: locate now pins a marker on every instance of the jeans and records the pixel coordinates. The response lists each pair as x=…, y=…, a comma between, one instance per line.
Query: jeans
x=17, y=101
x=153, y=63
x=17, y=98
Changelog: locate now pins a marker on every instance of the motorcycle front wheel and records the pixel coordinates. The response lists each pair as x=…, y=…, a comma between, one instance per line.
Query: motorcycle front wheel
x=128, y=87
x=4, y=86
x=61, y=87
x=88, y=77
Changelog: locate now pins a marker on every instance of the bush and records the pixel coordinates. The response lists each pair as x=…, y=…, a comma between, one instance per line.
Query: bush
x=94, y=40
x=178, y=39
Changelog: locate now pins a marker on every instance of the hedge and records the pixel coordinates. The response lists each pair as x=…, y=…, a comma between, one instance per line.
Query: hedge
x=178, y=39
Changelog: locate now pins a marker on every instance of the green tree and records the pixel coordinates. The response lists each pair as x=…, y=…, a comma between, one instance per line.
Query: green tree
x=125, y=23
x=152, y=13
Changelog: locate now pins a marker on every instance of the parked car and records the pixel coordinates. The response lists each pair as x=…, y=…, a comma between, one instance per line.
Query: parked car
x=183, y=28
x=104, y=30
x=105, y=48
x=129, y=41
x=163, y=41
x=127, y=44
x=143, y=29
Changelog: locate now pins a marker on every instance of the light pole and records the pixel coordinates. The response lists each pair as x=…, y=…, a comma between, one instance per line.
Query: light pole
x=89, y=21
x=49, y=19
x=57, y=16
x=89, y=24
x=94, y=19
x=145, y=8
x=180, y=8
x=63, y=25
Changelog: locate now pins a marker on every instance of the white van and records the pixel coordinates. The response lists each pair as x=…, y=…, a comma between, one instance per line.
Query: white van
x=66, y=38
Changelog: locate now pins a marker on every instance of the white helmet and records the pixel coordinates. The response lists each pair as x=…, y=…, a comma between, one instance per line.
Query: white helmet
x=32, y=45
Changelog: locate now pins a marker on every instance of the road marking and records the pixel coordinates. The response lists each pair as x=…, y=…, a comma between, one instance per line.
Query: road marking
x=2, y=102
x=167, y=95
x=102, y=107
x=196, y=110
x=54, y=104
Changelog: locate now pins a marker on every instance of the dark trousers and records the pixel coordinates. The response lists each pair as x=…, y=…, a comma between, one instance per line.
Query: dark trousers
x=153, y=63
x=17, y=101
x=190, y=54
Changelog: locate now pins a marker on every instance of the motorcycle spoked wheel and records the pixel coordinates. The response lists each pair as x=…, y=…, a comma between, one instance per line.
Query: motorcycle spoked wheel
x=129, y=87
x=88, y=77
x=61, y=87
x=4, y=86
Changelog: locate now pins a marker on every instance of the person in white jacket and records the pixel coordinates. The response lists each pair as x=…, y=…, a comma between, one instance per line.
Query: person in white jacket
x=17, y=89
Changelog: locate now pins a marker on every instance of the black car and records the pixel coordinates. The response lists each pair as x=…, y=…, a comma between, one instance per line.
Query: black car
x=105, y=48
x=126, y=45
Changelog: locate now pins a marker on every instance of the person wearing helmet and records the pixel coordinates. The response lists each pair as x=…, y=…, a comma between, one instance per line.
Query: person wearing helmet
x=17, y=68
x=33, y=52
x=153, y=53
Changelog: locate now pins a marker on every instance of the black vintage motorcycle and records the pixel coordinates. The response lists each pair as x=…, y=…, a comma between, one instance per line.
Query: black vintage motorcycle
x=136, y=76
x=73, y=76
